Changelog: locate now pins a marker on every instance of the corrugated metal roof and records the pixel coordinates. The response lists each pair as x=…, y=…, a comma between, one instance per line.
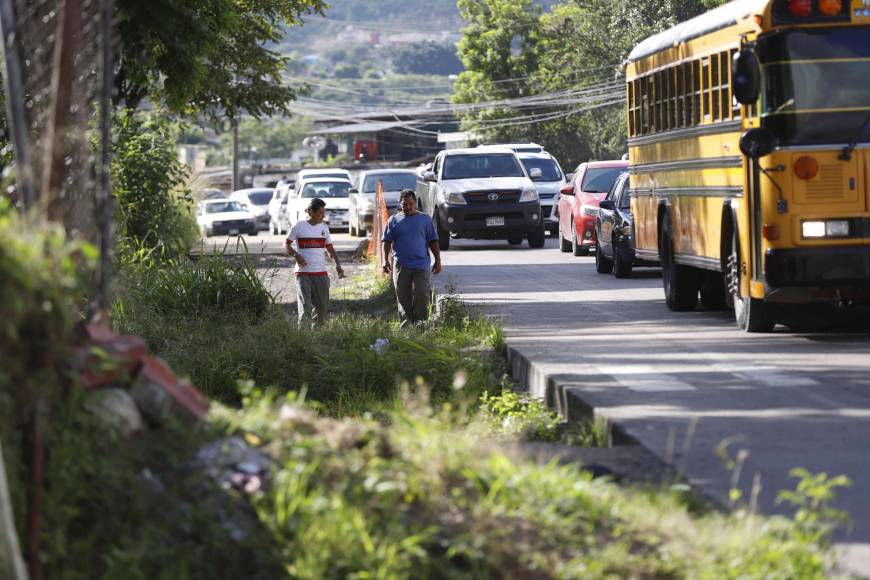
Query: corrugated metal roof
x=722, y=17
x=359, y=128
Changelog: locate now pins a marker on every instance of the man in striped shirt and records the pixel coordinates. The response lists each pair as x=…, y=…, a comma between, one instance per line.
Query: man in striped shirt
x=312, y=280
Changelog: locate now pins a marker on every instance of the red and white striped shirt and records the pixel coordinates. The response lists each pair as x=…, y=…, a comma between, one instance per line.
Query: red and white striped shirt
x=311, y=241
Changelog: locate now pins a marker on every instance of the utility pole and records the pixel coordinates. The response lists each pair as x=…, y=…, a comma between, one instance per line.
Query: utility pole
x=236, y=180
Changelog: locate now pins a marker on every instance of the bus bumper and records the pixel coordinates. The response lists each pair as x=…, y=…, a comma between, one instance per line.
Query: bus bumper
x=818, y=267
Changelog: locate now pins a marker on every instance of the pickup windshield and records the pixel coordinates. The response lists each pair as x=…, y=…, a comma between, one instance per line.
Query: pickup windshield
x=326, y=189
x=815, y=85
x=549, y=169
x=481, y=165
x=392, y=182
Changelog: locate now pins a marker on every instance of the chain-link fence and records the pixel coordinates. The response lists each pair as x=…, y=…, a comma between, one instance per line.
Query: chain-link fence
x=57, y=80
x=54, y=84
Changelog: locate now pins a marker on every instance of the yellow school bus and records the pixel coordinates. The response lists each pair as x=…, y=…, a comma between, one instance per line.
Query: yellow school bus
x=749, y=145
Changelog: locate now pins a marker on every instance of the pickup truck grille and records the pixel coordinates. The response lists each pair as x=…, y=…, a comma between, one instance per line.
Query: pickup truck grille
x=483, y=197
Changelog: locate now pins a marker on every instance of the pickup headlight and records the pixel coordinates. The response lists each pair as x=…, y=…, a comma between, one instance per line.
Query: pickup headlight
x=529, y=194
x=455, y=198
x=367, y=205
x=217, y=223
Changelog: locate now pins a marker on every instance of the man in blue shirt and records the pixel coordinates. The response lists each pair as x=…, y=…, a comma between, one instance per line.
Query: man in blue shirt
x=408, y=239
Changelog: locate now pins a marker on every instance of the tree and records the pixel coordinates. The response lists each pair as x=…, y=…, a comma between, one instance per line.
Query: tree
x=427, y=58
x=208, y=56
x=575, y=46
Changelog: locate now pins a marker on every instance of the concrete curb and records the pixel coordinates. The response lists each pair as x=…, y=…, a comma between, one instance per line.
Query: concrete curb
x=569, y=403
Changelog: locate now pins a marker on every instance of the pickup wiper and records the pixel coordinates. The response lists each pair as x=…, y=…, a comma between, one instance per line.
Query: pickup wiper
x=846, y=155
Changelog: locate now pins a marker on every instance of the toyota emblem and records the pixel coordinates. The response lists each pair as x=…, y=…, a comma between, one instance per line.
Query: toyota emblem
x=492, y=197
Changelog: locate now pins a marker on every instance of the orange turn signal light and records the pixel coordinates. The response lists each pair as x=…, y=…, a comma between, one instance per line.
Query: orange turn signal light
x=830, y=7
x=806, y=167
x=770, y=231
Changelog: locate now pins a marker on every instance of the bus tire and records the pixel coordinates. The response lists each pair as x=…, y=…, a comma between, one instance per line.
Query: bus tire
x=751, y=314
x=680, y=282
x=713, y=290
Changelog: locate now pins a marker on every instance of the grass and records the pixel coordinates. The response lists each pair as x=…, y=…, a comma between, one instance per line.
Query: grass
x=426, y=497
x=337, y=365
x=388, y=461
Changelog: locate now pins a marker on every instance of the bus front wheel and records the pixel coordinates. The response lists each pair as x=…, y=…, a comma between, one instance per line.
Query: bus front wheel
x=680, y=282
x=751, y=314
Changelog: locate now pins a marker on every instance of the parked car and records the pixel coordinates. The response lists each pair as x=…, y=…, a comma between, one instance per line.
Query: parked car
x=333, y=190
x=213, y=194
x=362, y=197
x=323, y=172
x=578, y=204
x=614, y=230
x=549, y=184
x=520, y=147
x=482, y=193
x=224, y=217
x=256, y=200
x=279, y=203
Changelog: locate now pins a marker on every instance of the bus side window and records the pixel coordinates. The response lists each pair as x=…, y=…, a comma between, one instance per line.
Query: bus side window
x=725, y=85
x=714, y=87
x=705, y=88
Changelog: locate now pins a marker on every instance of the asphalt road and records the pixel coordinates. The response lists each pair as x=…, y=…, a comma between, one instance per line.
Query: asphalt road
x=683, y=384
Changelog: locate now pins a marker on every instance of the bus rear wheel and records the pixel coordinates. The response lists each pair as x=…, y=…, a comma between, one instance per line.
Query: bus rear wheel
x=751, y=314
x=680, y=282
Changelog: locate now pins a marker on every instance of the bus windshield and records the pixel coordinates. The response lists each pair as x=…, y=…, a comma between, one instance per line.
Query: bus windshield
x=815, y=84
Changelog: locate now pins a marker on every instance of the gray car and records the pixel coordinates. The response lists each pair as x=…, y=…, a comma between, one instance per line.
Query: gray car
x=362, y=197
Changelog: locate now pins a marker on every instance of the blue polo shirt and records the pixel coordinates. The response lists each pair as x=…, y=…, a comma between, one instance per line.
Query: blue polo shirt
x=411, y=236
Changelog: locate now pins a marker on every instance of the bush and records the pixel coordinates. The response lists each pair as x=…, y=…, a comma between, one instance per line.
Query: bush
x=426, y=498
x=43, y=279
x=184, y=287
x=149, y=184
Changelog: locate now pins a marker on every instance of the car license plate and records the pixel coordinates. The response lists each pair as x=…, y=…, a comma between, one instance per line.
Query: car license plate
x=495, y=221
x=234, y=232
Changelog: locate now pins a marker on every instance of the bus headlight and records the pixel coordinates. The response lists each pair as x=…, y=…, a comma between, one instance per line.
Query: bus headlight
x=825, y=229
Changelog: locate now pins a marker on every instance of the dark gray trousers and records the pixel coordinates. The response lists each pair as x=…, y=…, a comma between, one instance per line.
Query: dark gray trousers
x=312, y=299
x=412, y=293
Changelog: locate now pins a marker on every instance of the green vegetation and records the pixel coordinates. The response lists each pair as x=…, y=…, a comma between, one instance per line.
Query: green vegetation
x=424, y=497
x=206, y=57
x=515, y=49
x=427, y=58
x=150, y=185
x=337, y=365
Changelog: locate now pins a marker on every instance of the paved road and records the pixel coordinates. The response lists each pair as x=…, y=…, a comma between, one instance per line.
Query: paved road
x=682, y=383
x=266, y=243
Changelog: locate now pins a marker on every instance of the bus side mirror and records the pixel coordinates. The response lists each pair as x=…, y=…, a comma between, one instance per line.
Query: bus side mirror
x=757, y=142
x=745, y=77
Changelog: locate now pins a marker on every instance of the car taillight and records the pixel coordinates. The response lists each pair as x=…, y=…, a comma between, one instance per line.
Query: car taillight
x=800, y=8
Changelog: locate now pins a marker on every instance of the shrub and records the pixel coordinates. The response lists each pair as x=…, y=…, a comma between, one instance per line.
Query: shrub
x=43, y=279
x=426, y=498
x=184, y=287
x=149, y=184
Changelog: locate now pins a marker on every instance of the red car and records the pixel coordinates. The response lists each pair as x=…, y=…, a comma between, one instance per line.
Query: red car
x=578, y=204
